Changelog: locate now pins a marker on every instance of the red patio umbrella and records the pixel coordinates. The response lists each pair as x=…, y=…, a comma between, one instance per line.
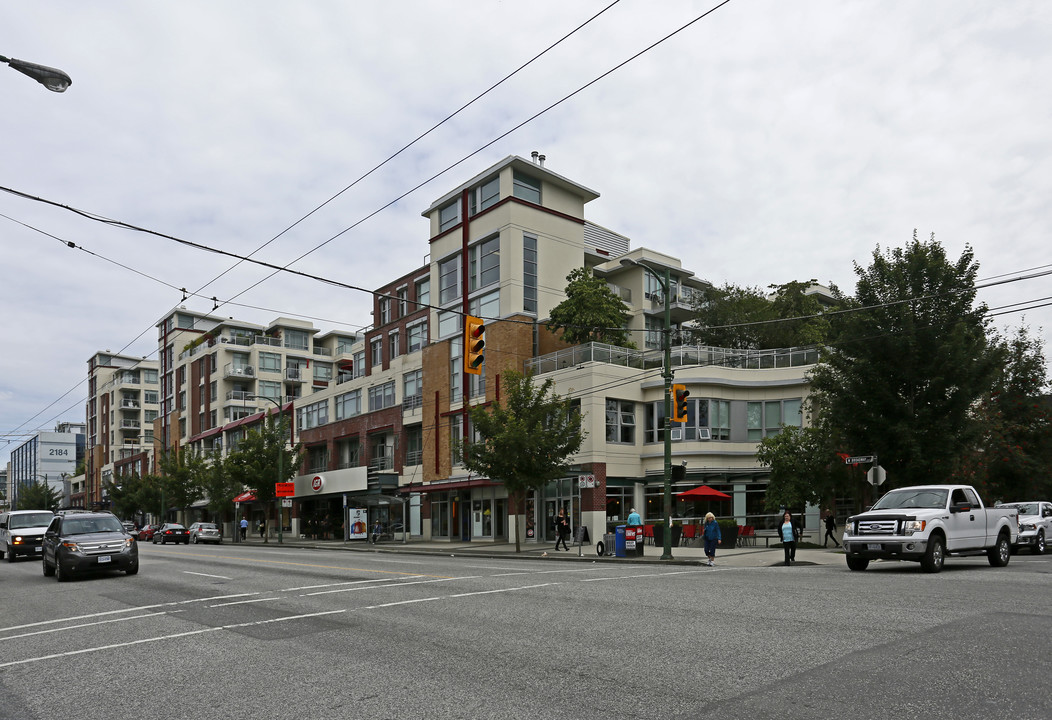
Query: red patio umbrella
x=703, y=492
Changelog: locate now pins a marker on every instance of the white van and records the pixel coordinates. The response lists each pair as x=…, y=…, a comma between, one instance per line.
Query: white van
x=22, y=531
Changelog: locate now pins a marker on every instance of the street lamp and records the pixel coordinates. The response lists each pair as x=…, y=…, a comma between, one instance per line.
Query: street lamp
x=666, y=374
x=281, y=456
x=52, y=78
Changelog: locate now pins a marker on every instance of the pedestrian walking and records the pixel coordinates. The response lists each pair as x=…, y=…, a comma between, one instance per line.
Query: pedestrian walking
x=712, y=536
x=790, y=533
x=634, y=519
x=262, y=528
x=244, y=527
x=562, y=529
x=830, y=530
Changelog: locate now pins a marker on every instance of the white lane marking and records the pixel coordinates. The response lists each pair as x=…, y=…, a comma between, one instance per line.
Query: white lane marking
x=221, y=577
x=125, y=610
x=244, y=602
x=161, y=638
x=84, y=625
x=339, y=584
x=400, y=602
x=502, y=590
x=379, y=587
x=641, y=575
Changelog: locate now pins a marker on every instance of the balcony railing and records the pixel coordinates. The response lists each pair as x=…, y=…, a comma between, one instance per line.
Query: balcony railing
x=412, y=402
x=266, y=340
x=381, y=463
x=130, y=424
x=682, y=356
x=238, y=371
x=131, y=404
x=414, y=457
x=322, y=350
x=241, y=395
x=294, y=374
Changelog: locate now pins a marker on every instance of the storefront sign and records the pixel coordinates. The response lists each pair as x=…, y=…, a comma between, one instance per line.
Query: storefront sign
x=317, y=483
x=284, y=489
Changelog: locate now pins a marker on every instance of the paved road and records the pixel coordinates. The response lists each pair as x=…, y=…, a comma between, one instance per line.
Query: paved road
x=285, y=632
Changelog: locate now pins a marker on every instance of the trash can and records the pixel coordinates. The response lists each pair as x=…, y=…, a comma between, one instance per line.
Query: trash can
x=634, y=541
x=619, y=541
x=608, y=544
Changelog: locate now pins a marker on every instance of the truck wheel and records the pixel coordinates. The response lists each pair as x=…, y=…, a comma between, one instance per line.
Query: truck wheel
x=1001, y=553
x=935, y=556
x=1039, y=546
x=857, y=563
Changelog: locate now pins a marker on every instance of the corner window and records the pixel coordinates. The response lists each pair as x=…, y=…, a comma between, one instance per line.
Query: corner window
x=529, y=273
x=527, y=188
x=484, y=263
x=449, y=216
x=449, y=279
x=485, y=195
x=620, y=421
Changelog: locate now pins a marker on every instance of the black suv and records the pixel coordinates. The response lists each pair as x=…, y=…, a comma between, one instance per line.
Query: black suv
x=80, y=543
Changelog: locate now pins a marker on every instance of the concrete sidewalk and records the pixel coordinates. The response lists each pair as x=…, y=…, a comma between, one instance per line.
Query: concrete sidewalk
x=757, y=556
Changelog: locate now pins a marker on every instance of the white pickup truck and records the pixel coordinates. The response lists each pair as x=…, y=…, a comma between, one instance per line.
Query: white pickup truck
x=928, y=522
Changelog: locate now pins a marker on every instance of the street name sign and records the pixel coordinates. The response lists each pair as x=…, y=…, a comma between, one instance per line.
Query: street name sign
x=859, y=459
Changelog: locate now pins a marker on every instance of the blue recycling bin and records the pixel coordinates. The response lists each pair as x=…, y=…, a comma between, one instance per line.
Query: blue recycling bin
x=619, y=541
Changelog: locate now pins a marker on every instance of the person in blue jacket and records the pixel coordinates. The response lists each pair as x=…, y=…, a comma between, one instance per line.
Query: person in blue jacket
x=790, y=533
x=712, y=536
x=634, y=519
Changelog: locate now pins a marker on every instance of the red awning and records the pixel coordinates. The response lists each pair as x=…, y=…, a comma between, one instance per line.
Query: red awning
x=247, y=496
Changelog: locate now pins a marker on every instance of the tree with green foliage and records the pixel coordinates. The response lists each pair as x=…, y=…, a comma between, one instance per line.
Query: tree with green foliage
x=1012, y=459
x=132, y=495
x=805, y=467
x=219, y=487
x=182, y=475
x=907, y=367
x=38, y=495
x=742, y=318
x=524, y=441
x=591, y=312
x=265, y=457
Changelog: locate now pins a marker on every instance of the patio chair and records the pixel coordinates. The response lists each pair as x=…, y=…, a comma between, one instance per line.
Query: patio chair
x=689, y=533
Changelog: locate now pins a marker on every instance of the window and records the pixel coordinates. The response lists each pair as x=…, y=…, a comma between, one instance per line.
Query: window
x=269, y=362
x=150, y=397
x=296, y=339
x=449, y=280
x=313, y=415
x=620, y=421
x=529, y=273
x=322, y=371
x=414, y=445
x=149, y=377
x=403, y=301
x=376, y=352
x=359, y=364
x=416, y=336
x=764, y=419
x=382, y=396
x=348, y=452
x=348, y=405
x=527, y=188
x=385, y=310
x=270, y=389
x=484, y=263
x=412, y=387
x=456, y=438
x=344, y=345
x=449, y=216
x=423, y=292
x=394, y=341
x=450, y=324
x=317, y=458
x=149, y=415
x=486, y=306
x=485, y=195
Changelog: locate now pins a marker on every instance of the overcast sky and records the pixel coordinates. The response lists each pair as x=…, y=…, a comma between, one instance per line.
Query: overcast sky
x=767, y=142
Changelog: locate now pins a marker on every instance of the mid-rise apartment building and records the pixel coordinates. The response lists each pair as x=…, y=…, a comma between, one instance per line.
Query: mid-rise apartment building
x=49, y=457
x=380, y=412
x=123, y=403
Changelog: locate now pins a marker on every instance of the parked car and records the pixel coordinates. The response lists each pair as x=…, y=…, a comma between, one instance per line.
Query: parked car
x=205, y=532
x=146, y=532
x=171, y=532
x=21, y=532
x=85, y=543
x=1035, y=524
x=129, y=527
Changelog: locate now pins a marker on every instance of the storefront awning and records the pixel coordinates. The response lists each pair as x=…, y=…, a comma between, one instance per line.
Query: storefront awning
x=247, y=496
x=442, y=486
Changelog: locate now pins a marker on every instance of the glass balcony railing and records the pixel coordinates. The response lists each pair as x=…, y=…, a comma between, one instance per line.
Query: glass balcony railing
x=682, y=356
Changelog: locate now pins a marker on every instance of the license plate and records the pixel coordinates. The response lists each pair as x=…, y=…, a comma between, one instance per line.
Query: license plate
x=40, y=549
x=104, y=558
x=873, y=546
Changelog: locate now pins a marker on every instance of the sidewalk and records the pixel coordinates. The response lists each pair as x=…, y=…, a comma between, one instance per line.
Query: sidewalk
x=693, y=555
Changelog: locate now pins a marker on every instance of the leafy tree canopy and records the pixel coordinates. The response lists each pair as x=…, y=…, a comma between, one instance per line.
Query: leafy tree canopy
x=38, y=495
x=591, y=312
x=260, y=456
x=743, y=318
x=525, y=440
x=908, y=366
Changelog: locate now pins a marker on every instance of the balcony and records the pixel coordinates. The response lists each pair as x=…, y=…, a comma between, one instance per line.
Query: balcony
x=414, y=457
x=130, y=442
x=265, y=340
x=238, y=371
x=682, y=356
x=294, y=374
x=130, y=404
x=322, y=350
x=239, y=395
x=412, y=402
x=381, y=463
x=130, y=425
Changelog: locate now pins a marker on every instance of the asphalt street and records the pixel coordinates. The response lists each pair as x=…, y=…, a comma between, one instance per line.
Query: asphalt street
x=252, y=631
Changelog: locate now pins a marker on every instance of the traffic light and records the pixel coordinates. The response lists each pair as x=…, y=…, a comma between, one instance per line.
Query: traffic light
x=679, y=403
x=474, y=343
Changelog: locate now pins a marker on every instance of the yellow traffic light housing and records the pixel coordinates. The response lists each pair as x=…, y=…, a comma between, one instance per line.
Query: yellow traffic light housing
x=679, y=403
x=474, y=343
